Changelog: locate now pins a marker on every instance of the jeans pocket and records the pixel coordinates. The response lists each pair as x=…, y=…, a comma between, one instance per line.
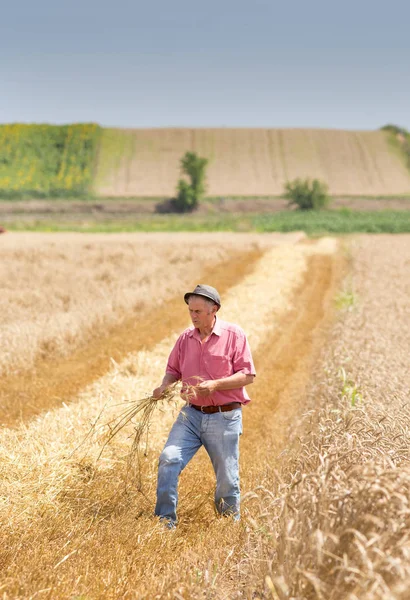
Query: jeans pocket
x=232, y=415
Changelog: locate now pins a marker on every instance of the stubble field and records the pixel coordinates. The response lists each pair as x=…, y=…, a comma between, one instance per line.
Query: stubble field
x=324, y=457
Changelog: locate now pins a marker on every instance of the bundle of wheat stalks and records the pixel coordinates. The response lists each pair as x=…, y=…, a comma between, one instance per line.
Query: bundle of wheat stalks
x=143, y=408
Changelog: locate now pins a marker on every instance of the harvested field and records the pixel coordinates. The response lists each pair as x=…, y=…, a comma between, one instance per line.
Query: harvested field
x=64, y=294
x=59, y=291
x=251, y=162
x=319, y=457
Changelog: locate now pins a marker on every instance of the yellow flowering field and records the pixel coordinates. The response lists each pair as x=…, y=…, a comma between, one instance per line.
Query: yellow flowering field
x=47, y=160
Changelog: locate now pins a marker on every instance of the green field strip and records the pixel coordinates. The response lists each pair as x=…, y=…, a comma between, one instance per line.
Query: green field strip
x=343, y=221
x=45, y=160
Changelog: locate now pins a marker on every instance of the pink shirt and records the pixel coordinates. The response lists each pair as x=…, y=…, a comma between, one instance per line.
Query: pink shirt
x=225, y=352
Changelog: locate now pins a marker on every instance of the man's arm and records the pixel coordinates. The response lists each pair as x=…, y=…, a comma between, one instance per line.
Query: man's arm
x=233, y=382
x=168, y=380
x=172, y=372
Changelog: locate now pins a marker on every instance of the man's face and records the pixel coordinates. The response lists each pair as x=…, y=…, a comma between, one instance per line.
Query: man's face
x=202, y=313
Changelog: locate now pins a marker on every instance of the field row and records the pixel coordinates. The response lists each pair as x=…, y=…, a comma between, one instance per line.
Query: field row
x=338, y=506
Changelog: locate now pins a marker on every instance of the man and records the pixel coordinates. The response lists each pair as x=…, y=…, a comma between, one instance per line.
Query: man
x=214, y=362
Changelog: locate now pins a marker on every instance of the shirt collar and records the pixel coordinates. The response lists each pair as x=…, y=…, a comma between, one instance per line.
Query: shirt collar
x=216, y=330
x=217, y=327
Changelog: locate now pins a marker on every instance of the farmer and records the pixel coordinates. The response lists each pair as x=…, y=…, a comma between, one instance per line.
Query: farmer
x=214, y=362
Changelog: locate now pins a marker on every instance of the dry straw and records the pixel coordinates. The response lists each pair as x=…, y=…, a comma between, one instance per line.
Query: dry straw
x=143, y=409
x=139, y=415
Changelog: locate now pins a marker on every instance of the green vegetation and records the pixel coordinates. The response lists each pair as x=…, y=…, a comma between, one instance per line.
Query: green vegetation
x=400, y=138
x=312, y=222
x=190, y=194
x=395, y=129
x=39, y=161
x=336, y=221
x=115, y=147
x=349, y=389
x=346, y=300
x=307, y=194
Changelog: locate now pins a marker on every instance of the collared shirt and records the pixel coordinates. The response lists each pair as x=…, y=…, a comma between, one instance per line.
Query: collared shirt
x=225, y=352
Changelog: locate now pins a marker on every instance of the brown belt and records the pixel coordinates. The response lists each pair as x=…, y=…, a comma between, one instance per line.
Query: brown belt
x=210, y=410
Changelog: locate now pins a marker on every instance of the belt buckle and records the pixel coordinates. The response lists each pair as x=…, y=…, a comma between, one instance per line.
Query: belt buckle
x=202, y=410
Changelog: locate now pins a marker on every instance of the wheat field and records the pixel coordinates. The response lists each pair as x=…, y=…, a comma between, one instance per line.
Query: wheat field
x=324, y=454
x=251, y=162
x=58, y=291
x=74, y=303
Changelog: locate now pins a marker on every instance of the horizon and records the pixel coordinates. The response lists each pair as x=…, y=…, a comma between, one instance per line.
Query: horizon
x=125, y=127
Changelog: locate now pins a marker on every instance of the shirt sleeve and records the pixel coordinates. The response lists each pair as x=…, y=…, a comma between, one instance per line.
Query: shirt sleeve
x=242, y=357
x=173, y=365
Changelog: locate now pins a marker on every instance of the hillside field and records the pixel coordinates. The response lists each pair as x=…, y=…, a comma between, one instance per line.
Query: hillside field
x=251, y=162
x=87, y=323
x=88, y=161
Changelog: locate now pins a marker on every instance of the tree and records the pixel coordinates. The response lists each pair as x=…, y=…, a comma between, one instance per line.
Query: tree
x=307, y=194
x=185, y=200
x=190, y=194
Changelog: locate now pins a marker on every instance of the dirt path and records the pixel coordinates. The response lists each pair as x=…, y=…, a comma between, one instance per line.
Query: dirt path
x=57, y=381
x=111, y=546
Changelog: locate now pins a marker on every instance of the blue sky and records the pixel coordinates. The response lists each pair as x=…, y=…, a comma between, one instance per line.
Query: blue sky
x=216, y=63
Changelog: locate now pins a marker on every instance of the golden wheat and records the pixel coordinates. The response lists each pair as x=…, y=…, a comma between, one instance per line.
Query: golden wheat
x=61, y=290
x=338, y=507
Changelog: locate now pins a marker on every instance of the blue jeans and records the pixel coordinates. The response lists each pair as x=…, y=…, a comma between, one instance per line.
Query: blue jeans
x=219, y=434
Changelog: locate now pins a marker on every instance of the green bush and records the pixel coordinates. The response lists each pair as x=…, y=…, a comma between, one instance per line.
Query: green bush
x=396, y=129
x=185, y=200
x=190, y=194
x=307, y=194
x=401, y=137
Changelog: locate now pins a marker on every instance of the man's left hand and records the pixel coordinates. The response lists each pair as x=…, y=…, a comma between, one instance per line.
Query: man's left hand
x=206, y=388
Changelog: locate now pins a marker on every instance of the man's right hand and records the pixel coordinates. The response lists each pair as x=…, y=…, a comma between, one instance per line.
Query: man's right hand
x=168, y=380
x=158, y=392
